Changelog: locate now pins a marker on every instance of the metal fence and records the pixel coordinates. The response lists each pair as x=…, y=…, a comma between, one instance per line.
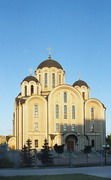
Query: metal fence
x=66, y=159
x=82, y=159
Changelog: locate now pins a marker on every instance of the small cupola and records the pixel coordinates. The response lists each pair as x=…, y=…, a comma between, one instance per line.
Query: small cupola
x=30, y=86
x=83, y=88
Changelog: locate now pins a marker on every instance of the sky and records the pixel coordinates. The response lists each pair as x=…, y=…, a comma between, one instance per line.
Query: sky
x=79, y=33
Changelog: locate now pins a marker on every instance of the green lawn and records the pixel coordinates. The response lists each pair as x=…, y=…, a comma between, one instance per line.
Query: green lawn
x=54, y=177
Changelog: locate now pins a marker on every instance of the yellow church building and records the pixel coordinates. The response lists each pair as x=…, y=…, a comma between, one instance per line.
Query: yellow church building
x=47, y=108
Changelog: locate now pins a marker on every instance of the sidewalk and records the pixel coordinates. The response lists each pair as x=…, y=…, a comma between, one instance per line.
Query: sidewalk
x=104, y=171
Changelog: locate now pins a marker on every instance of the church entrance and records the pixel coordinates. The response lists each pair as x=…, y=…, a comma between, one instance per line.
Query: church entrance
x=70, y=145
x=71, y=142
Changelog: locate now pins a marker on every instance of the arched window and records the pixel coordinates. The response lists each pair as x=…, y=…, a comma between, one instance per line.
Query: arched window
x=92, y=113
x=83, y=95
x=32, y=89
x=92, y=143
x=73, y=112
x=57, y=111
x=65, y=127
x=65, y=97
x=57, y=126
x=53, y=80
x=25, y=90
x=36, y=143
x=39, y=78
x=45, y=79
x=92, y=127
x=59, y=79
x=36, y=126
x=73, y=127
x=65, y=112
x=36, y=111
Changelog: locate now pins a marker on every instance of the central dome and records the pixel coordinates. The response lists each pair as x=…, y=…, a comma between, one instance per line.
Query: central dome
x=49, y=63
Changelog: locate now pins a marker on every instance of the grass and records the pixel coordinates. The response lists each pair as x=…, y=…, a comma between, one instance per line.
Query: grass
x=54, y=177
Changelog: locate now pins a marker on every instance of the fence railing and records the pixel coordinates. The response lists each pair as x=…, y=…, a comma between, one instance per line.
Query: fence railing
x=65, y=159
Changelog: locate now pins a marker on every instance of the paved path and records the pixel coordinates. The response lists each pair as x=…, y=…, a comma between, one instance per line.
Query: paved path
x=104, y=171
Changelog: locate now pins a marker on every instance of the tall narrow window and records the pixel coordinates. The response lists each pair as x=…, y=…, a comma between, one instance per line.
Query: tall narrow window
x=65, y=97
x=83, y=95
x=59, y=79
x=73, y=112
x=53, y=80
x=73, y=127
x=92, y=143
x=39, y=78
x=57, y=111
x=32, y=89
x=92, y=113
x=25, y=90
x=92, y=127
x=45, y=79
x=36, y=111
x=36, y=142
x=57, y=126
x=36, y=126
x=65, y=112
x=65, y=127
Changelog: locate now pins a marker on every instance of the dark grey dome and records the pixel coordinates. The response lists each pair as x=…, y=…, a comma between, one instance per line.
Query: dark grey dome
x=30, y=78
x=80, y=83
x=49, y=63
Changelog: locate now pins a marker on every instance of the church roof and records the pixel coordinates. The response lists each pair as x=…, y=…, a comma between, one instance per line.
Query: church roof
x=22, y=101
x=49, y=63
x=30, y=78
x=80, y=83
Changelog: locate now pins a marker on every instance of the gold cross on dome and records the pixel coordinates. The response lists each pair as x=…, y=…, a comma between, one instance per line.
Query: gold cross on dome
x=30, y=70
x=79, y=76
x=49, y=49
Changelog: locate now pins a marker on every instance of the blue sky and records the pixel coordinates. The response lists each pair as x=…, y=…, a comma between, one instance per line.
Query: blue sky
x=79, y=31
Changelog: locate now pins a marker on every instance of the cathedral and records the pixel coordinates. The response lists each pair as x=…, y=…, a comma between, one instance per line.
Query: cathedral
x=47, y=108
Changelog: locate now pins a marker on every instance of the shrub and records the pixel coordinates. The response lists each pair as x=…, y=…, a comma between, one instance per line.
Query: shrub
x=6, y=163
x=27, y=155
x=45, y=156
x=59, y=148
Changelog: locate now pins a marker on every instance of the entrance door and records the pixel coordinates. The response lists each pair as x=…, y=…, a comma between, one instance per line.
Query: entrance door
x=70, y=145
x=71, y=141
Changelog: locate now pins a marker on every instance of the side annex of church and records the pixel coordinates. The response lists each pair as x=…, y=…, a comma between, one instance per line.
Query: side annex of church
x=47, y=108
